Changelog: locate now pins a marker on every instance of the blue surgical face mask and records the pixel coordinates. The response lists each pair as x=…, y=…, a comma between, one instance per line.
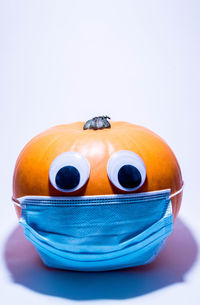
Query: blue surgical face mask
x=94, y=233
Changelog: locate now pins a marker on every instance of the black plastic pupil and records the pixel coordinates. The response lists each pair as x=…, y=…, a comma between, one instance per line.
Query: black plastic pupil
x=67, y=177
x=129, y=176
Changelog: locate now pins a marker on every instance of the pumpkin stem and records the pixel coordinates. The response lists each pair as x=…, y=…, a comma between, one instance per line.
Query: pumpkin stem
x=98, y=122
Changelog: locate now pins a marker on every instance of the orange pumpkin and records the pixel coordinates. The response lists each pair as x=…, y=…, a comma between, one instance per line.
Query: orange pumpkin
x=97, y=144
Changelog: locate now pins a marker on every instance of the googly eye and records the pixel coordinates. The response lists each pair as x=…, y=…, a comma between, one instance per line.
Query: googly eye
x=126, y=170
x=69, y=171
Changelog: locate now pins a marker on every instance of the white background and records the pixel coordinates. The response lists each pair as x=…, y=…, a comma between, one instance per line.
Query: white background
x=66, y=61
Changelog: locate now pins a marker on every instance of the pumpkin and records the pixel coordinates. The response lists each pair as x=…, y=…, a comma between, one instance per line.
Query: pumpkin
x=97, y=141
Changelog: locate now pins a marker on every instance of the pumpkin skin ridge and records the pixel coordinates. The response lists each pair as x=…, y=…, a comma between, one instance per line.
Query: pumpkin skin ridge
x=76, y=137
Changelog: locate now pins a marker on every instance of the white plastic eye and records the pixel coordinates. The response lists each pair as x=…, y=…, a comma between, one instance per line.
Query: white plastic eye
x=126, y=170
x=69, y=171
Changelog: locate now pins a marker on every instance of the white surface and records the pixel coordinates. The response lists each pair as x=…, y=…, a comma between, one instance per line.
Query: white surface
x=65, y=61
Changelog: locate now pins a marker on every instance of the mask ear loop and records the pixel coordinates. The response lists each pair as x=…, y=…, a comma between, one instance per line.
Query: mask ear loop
x=16, y=203
x=176, y=193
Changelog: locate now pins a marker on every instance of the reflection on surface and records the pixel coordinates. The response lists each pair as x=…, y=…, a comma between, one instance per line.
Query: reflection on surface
x=169, y=267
